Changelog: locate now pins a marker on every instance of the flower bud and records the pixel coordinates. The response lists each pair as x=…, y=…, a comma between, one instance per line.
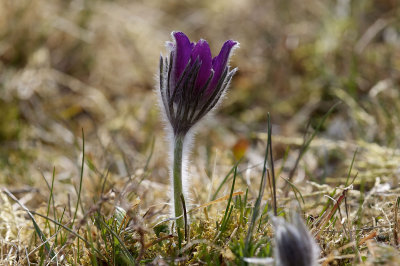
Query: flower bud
x=294, y=244
x=191, y=81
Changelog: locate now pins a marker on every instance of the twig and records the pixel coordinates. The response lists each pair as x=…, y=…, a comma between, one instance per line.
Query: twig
x=396, y=222
x=368, y=237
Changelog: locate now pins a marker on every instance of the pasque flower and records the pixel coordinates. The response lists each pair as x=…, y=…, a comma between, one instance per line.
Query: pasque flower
x=191, y=85
x=294, y=244
x=191, y=81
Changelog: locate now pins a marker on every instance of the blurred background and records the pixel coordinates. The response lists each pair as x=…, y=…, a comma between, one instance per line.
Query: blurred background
x=91, y=65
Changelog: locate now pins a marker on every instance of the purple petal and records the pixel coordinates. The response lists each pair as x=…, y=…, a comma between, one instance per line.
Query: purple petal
x=219, y=63
x=182, y=53
x=203, y=53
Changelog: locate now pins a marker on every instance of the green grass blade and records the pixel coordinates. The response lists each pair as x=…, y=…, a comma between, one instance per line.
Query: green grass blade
x=271, y=159
x=124, y=248
x=295, y=191
x=256, y=208
x=307, y=143
x=351, y=167
x=35, y=225
x=225, y=180
x=225, y=219
x=70, y=231
x=81, y=178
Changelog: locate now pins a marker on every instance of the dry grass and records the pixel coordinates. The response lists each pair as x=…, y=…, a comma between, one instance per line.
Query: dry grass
x=72, y=65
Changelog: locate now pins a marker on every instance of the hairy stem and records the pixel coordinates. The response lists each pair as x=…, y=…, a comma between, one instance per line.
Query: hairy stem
x=177, y=180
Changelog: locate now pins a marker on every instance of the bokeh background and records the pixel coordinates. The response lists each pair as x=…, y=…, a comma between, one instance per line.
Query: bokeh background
x=91, y=65
x=68, y=65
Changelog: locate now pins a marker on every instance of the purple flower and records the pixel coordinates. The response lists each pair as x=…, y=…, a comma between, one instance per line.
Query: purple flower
x=191, y=81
